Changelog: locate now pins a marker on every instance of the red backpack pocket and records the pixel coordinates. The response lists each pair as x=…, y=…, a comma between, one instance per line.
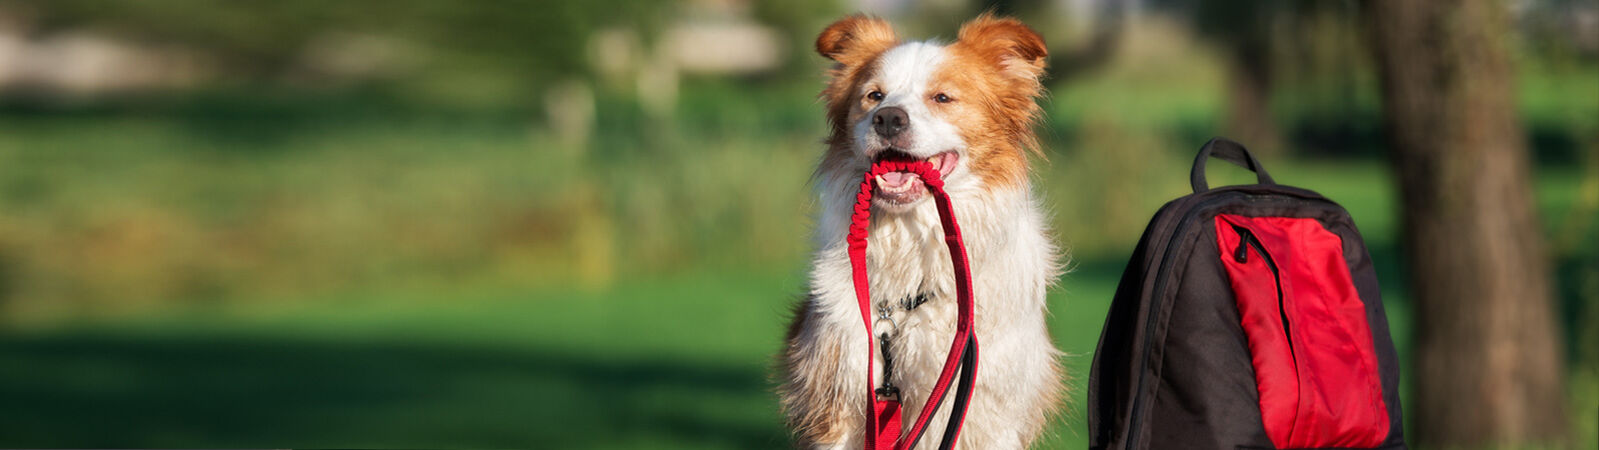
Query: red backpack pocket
x=1309, y=340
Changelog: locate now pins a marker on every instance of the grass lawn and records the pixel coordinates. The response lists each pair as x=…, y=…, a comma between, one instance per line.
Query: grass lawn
x=681, y=362
x=664, y=361
x=678, y=361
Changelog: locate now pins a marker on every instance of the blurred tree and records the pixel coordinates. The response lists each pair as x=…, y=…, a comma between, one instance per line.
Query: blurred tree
x=1013, y=7
x=1242, y=30
x=531, y=42
x=1105, y=20
x=1487, y=358
x=1327, y=100
x=803, y=19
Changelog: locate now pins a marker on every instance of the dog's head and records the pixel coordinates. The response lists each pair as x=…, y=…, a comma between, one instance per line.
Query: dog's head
x=965, y=107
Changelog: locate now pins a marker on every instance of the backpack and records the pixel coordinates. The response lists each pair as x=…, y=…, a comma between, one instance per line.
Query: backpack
x=1248, y=317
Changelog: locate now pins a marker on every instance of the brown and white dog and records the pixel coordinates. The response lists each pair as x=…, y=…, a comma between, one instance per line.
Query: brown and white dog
x=968, y=108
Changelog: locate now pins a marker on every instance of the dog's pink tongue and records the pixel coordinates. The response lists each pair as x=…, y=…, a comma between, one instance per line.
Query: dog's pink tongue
x=897, y=179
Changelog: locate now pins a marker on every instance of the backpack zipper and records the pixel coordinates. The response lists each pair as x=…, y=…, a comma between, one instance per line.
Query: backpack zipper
x=1136, y=413
x=1247, y=239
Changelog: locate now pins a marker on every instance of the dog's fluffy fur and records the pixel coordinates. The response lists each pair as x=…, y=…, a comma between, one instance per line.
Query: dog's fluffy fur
x=973, y=101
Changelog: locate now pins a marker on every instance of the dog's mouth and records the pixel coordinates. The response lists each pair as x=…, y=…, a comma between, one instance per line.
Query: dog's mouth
x=902, y=188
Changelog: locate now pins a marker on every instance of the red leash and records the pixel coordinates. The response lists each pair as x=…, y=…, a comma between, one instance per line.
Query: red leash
x=883, y=423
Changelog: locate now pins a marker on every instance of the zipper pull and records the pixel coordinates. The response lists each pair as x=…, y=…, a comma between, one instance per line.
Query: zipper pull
x=1241, y=254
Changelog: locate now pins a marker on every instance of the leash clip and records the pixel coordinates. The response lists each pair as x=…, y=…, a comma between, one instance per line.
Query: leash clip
x=882, y=332
x=888, y=391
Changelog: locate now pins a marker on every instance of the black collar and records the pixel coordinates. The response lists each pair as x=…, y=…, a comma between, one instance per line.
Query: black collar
x=910, y=302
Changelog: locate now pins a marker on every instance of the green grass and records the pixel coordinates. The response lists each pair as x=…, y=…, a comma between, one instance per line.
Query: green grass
x=677, y=361
x=681, y=362
x=664, y=363
x=415, y=285
x=656, y=364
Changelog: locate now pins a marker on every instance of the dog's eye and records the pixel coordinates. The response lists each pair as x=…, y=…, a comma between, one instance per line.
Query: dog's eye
x=941, y=98
x=875, y=96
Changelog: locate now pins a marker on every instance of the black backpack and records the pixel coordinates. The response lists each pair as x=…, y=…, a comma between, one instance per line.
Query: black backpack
x=1248, y=317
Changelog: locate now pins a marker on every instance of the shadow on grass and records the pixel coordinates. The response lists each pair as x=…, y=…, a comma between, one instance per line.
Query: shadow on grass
x=120, y=391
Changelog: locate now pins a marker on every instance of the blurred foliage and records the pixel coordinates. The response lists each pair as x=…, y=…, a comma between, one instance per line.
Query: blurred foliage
x=326, y=251
x=221, y=194
x=519, y=44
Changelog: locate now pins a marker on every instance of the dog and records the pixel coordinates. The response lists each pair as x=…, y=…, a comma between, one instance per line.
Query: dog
x=967, y=108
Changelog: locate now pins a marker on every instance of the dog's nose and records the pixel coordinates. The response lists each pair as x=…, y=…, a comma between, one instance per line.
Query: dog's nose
x=890, y=121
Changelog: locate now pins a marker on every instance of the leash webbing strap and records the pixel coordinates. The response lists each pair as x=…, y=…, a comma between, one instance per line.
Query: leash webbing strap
x=886, y=432
x=883, y=421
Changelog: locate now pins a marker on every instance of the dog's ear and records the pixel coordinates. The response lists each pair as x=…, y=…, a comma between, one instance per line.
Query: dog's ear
x=1018, y=50
x=854, y=39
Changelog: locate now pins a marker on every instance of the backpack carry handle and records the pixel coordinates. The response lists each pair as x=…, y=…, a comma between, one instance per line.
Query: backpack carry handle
x=1229, y=151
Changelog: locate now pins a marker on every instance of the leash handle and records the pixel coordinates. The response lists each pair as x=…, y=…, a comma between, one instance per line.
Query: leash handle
x=963, y=348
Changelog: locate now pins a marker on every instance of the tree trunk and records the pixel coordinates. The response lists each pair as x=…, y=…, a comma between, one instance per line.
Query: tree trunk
x=1249, y=84
x=1487, y=361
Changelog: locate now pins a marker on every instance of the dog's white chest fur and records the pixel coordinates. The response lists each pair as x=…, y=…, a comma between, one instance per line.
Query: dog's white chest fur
x=1012, y=263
